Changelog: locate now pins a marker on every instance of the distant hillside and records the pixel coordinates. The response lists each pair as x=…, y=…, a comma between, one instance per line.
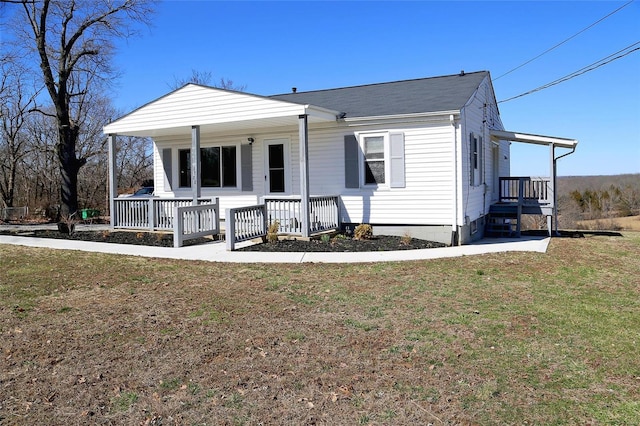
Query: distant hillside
x=583, y=198
x=568, y=184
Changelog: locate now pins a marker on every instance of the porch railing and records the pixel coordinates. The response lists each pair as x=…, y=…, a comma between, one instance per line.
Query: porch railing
x=323, y=213
x=526, y=190
x=151, y=213
x=195, y=222
x=247, y=223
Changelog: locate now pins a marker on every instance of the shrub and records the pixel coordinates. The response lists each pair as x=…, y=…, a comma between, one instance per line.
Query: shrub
x=405, y=240
x=272, y=232
x=363, y=232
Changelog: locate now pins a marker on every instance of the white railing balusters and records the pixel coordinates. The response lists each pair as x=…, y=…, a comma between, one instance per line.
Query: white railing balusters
x=195, y=221
x=245, y=223
x=153, y=213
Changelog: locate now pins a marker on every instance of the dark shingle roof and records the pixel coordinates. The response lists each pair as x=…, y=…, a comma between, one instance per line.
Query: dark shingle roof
x=447, y=93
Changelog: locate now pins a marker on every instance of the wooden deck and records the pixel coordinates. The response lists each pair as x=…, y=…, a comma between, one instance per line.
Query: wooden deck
x=520, y=196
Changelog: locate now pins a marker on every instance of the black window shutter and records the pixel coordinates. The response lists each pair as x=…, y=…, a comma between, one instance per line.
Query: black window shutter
x=351, y=162
x=246, y=167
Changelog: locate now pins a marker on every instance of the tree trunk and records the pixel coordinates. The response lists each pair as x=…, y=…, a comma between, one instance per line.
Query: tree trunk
x=12, y=182
x=69, y=167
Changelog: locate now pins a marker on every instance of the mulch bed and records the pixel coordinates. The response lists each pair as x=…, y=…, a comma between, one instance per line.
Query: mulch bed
x=143, y=238
x=378, y=243
x=156, y=239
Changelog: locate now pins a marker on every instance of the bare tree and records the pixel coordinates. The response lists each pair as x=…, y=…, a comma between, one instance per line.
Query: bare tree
x=73, y=42
x=628, y=200
x=15, y=104
x=134, y=161
x=205, y=78
x=41, y=188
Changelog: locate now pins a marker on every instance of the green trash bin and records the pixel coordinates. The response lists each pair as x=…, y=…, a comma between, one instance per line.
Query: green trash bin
x=89, y=213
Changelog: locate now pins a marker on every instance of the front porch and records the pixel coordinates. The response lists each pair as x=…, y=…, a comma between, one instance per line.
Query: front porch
x=224, y=166
x=240, y=224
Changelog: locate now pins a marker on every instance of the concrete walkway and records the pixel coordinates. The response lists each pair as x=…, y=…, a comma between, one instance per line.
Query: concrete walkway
x=216, y=251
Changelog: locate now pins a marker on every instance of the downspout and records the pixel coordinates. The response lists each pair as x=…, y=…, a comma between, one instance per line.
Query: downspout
x=455, y=237
x=555, y=193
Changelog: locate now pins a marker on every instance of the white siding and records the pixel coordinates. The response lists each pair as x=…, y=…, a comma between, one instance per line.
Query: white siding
x=478, y=117
x=431, y=145
x=427, y=198
x=198, y=105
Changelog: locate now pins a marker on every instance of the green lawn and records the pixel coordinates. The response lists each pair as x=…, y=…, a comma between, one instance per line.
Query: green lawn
x=518, y=338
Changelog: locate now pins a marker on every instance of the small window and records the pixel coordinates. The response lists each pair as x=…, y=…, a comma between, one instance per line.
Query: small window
x=473, y=228
x=374, y=164
x=375, y=159
x=475, y=160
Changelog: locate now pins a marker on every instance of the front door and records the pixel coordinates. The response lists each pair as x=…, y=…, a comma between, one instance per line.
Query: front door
x=276, y=166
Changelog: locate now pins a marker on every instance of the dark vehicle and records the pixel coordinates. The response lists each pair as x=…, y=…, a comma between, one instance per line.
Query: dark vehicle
x=144, y=192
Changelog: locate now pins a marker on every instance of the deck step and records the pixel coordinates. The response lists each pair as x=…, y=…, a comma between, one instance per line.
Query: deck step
x=501, y=225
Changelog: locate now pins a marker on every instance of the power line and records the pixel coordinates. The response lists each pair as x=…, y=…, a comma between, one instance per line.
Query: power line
x=627, y=50
x=564, y=41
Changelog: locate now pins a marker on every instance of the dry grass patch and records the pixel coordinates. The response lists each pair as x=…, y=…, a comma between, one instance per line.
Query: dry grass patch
x=496, y=339
x=628, y=223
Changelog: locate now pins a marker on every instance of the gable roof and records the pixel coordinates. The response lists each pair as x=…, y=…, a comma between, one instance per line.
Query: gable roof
x=213, y=109
x=424, y=95
x=223, y=110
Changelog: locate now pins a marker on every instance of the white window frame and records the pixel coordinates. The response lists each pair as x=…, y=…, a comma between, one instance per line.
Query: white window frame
x=286, y=142
x=386, y=158
x=476, y=160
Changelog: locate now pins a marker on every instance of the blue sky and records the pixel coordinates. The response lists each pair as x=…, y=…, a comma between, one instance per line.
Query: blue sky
x=270, y=47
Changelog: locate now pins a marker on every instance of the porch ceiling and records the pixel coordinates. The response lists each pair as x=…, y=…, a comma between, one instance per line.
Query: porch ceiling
x=506, y=135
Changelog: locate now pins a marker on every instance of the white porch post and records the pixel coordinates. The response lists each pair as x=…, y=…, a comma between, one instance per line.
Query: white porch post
x=553, y=230
x=113, y=179
x=195, y=163
x=303, y=133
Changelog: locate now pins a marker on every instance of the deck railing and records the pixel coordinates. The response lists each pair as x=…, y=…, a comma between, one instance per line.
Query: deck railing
x=149, y=213
x=526, y=190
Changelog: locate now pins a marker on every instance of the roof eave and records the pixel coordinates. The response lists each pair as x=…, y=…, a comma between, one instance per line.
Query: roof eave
x=533, y=139
x=419, y=115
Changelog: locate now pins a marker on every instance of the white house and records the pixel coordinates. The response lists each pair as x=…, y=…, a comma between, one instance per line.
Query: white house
x=428, y=158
